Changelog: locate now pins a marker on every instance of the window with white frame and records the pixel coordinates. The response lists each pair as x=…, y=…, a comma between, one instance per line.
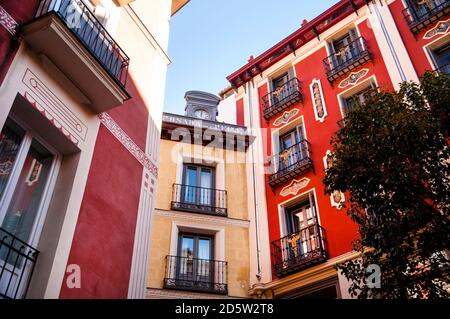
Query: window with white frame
x=441, y=57
x=350, y=101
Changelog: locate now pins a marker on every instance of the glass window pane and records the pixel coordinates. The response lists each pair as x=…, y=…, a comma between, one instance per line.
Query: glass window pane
x=206, y=184
x=190, y=195
x=25, y=203
x=10, y=140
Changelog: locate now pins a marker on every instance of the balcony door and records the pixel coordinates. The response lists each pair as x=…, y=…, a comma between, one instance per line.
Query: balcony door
x=442, y=58
x=345, y=48
x=26, y=170
x=423, y=8
x=198, y=184
x=279, y=88
x=301, y=224
x=291, y=150
x=195, y=267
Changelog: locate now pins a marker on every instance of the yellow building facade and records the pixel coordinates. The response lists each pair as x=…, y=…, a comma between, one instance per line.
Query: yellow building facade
x=200, y=237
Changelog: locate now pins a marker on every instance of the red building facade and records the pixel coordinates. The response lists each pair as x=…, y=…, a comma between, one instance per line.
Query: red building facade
x=79, y=144
x=294, y=94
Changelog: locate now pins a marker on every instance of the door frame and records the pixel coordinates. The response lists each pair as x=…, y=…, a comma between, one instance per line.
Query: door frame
x=44, y=202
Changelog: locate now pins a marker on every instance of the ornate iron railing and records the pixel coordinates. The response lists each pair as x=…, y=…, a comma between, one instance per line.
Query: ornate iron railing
x=186, y=273
x=347, y=59
x=299, y=250
x=89, y=30
x=199, y=200
x=291, y=162
x=17, y=261
x=444, y=68
x=282, y=98
x=420, y=14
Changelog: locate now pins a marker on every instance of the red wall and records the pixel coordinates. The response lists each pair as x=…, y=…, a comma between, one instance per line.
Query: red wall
x=104, y=235
x=340, y=230
x=240, y=120
x=21, y=12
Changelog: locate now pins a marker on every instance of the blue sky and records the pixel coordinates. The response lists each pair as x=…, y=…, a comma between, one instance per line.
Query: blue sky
x=210, y=39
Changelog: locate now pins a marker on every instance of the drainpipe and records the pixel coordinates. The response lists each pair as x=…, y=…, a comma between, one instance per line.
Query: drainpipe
x=255, y=193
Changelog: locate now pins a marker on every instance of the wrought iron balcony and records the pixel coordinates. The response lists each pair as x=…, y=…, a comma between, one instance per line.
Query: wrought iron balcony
x=444, y=68
x=199, y=200
x=282, y=98
x=299, y=250
x=347, y=59
x=290, y=163
x=17, y=261
x=422, y=13
x=203, y=275
x=71, y=37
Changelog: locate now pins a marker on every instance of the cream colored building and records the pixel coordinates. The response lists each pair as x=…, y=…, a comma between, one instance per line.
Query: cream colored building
x=200, y=238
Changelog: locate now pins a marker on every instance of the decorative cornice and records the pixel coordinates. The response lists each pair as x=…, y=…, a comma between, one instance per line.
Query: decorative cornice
x=286, y=117
x=202, y=218
x=128, y=143
x=153, y=293
x=304, y=277
x=8, y=22
x=294, y=187
x=353, y=78
x=442, y=27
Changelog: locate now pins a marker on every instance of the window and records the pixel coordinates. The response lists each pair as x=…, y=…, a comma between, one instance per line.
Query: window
x=345, y=48
x=351, y=102
x=424, y=8
x=196, y=259
x=291, y=150
x=299, y=216
x=26, y=167
x=301, y=225
x=198, y=184
x=442, y=58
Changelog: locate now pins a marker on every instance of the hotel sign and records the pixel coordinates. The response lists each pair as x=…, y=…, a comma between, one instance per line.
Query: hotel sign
x=204, y=124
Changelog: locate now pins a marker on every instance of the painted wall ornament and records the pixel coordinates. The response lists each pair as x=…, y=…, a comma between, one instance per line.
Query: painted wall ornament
x=294, y=187
x=8, y=22
x=283, y=119
x=353, y=78
x=337, y=199
x=327, y=160
x=320, y=110
x=441, y=28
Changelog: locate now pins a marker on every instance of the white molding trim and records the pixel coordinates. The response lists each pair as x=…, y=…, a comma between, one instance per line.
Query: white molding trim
x=128, y=143
x=8, y=22
x=153, y=293
x=322, y=100
x=202, y=218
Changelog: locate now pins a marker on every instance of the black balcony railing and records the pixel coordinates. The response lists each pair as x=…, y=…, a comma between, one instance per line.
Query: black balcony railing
x=290, y=163
x=421, y=14
x=17, y=261
x=444, y=68
x=299, y=250
x=347, y=59
x=204, y=275
x=282, y=98
x=89, y=30
x=199, y=200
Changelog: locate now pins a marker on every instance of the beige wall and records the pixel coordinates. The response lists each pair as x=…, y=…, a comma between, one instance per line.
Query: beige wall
x=235, y=175
x=235, y=228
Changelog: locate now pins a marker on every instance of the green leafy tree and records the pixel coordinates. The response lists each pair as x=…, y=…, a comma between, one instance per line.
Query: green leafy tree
x=391, y=155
